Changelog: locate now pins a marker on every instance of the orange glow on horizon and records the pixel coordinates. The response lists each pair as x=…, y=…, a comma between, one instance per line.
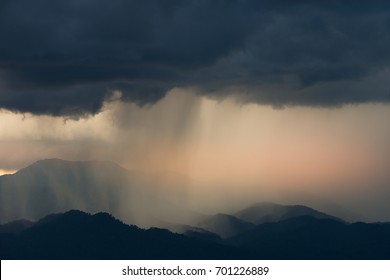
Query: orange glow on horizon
x=7, y=171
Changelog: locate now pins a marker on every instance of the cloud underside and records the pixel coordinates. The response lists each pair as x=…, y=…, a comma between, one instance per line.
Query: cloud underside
x=67, y=57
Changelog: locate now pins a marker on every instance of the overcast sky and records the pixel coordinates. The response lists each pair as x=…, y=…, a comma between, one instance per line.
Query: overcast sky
x=246, y=96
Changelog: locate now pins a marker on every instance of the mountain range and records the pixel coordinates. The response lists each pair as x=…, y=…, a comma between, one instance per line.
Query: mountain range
x=30, y=230
x=78, y=235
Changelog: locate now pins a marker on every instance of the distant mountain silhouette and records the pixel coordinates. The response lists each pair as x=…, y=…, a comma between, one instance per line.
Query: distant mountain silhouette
x=271, y=212
x=225, y=225
x=54, y=185
x=77, y=235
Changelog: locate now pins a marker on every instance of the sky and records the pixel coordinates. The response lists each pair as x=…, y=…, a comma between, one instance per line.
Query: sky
x=282, y=100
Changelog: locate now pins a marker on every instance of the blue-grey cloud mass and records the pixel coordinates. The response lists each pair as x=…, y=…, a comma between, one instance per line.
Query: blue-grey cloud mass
x=65, y=57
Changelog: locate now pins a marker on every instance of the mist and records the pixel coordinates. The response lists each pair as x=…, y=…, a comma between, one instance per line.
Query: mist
x=209, y=156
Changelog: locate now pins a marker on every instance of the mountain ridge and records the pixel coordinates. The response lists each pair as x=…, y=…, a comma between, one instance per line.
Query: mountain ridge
x=79, y=235
x=272, y=212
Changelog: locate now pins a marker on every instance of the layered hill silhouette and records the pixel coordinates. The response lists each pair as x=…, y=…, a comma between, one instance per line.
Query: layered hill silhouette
x=77, y=235
x=260, y=231
x=230, y=225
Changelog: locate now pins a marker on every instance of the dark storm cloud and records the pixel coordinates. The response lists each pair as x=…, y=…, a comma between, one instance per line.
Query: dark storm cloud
x=65, y=57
